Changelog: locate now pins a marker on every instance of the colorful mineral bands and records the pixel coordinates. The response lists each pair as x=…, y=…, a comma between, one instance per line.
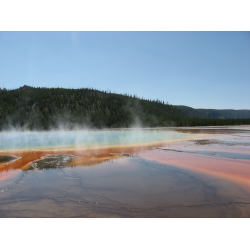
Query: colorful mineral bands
x=85, y=138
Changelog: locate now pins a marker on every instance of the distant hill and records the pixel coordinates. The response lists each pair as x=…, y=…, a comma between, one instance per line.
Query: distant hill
x=52, y=108
x=214, y=113
x=45, y=108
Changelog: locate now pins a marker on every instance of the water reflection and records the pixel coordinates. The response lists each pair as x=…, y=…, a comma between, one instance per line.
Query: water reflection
x=124, y=187
x=164, y=179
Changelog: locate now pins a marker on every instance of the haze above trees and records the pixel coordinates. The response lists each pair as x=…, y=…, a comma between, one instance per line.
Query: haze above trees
x=52, y=108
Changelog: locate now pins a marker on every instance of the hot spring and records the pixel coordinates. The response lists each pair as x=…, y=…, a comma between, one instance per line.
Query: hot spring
x=85, y=138
x=125, y=173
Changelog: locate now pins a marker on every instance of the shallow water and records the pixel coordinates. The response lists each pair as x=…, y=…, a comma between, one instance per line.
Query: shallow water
x=85, y=138
x=125, y=187
x=190, y=180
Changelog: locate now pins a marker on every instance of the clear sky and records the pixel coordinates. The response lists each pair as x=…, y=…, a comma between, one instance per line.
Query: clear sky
x=196, y=69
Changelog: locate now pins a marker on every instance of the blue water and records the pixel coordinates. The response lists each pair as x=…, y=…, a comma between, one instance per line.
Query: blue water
x=85, y=138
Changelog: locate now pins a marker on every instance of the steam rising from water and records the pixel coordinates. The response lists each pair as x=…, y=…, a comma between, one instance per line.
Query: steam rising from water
x=84, y=138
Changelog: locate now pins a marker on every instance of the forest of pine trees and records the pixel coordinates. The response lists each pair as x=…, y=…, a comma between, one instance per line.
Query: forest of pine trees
x=49, y=108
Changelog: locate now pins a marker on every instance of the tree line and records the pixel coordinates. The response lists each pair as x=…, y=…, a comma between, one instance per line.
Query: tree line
x=50, y=108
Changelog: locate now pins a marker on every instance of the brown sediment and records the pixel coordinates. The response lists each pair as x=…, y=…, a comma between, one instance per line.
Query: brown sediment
x=23, y=158
x=208, y=142
x=7, y=158
x=85, y=156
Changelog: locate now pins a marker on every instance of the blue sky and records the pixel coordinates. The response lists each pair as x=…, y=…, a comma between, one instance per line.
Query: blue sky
x=196, y=69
